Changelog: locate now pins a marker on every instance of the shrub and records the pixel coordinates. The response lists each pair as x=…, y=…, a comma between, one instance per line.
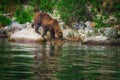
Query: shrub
x=72, y=10
x=23, y=16
x=43, y=5
x=4, y=21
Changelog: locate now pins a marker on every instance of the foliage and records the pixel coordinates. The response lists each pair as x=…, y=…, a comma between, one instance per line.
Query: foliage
x=72, y=10
x=99, y=23
x=4, y=21
x=9, y=5
x=117, y=10
x=23, y=15
x=105, y=8
x=47, y=5
x=43, y=5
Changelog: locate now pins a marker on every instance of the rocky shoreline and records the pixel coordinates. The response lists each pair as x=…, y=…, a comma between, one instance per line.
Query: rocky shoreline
x=23, y=33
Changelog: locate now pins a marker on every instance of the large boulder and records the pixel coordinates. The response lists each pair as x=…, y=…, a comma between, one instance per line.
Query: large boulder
x=101, y=36
x=26, y=35
x=103, y=42
x=15, y=27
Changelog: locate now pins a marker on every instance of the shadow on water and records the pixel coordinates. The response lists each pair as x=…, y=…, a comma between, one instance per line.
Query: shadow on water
x=70, y=61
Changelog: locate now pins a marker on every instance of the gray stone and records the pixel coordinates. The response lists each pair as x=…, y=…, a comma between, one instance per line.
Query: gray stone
x=78, y=25
x=27, y=34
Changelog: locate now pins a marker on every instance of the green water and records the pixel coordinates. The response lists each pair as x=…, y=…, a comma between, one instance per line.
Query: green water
x=70, y=61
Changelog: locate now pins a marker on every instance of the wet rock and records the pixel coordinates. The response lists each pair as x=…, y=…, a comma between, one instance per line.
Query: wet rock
x=95, y=38
x=26, y=35
x=113, y=42
x=102, y=36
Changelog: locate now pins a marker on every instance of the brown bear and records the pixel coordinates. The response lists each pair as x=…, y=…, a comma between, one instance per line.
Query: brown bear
x=48, y=24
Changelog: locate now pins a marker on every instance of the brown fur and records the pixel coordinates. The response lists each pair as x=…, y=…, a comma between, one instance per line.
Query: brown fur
x=48, y=24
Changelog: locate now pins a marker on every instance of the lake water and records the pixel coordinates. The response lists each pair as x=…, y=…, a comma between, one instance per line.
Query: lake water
x=70, y=61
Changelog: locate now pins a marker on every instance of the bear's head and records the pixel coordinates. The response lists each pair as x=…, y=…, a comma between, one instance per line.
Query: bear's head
x=57, y=29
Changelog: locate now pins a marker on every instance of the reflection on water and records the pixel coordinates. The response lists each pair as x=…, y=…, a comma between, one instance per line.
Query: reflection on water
x=71, y=61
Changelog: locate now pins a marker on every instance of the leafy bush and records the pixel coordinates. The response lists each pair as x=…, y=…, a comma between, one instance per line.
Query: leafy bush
x=7, y=6
x=44, y=5
x=4, y=21
x=72, y=10
x=47, y=5
x=23, y=16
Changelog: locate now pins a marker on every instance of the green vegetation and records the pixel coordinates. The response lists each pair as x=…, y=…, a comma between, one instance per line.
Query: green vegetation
x=84, y=10
x=105, y=8
x=8, y=6
x=70, y=11
x=23, y=16
x=43, y=5
x=4, y=21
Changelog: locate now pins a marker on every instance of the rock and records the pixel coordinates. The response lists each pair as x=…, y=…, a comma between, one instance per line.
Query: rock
x=87, y=32
x=95, y=38
x=62, y=25
x=111, y=33
x=117, y=27
x=90, y=24
x=113, y=42
x=78, y=25
x=18, y=25
x=99, y=40
x=71, y=35
x=111, y=20
x=3, y=34
x=82, y=37
x=15, y=27
x=68, y=33
x=26, y=35
x=28, y=25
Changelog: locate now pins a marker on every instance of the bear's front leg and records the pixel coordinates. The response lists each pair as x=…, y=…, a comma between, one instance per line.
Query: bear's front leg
x=44, y=32
x=36, y=28
x=52, y=34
